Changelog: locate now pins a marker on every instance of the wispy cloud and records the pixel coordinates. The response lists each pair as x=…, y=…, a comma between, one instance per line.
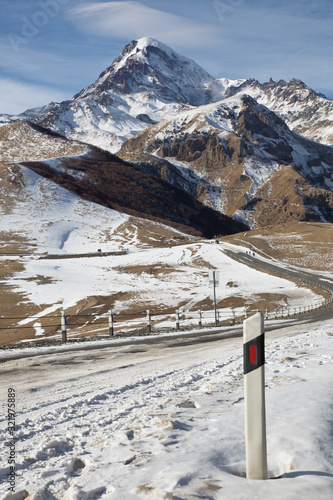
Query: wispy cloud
x=278, y=39
x=16, y=97
x=32, y=63
x=131, y=19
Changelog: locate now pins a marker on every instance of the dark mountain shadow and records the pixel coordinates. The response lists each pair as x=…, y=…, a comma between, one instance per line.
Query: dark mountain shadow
x=103, y=178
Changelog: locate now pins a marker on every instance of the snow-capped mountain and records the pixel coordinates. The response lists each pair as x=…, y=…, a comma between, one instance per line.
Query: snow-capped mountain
x=147, y=83
x=147, y=66
x=150, y=82
x=241, y=159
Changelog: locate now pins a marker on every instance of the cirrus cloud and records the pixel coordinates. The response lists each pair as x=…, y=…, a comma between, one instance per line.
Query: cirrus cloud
x=16, y=96
x=131, y=19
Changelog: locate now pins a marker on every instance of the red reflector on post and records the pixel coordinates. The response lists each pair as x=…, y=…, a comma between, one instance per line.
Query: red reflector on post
x=253, y=354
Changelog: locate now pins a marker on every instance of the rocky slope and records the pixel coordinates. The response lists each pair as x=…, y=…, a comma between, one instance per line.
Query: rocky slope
x=241, y=159
x=102, y=178
x=305, y=111
x=24, y=141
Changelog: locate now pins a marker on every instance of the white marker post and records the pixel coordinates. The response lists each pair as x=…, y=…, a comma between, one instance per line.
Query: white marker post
x=63, y=327
x=200, y=317
x=111, y=323
x=214, y=280
x=148, y=321
x=254, y=397
x=177, y=319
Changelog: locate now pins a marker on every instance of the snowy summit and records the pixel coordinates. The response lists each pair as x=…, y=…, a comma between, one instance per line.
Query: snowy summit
x=147, y=65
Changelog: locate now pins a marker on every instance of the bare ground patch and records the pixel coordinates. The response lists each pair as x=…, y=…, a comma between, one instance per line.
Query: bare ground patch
x=305, y=244
x=14, y=309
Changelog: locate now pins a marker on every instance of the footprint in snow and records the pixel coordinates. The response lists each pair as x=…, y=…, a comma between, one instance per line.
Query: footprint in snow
x=172, y=424
x=75, y=466
x=187, y=404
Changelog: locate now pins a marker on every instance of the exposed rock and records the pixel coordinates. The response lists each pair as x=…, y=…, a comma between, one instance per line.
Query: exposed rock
x=241, y=159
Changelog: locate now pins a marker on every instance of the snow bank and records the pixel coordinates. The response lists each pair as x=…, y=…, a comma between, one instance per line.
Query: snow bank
x=161, y=423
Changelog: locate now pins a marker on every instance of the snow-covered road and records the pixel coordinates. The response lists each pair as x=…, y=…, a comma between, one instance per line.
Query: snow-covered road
x=163, y=421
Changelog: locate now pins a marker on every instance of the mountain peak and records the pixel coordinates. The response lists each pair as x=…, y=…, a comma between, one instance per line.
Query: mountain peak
x=149, y=66
x=144, y=49
x=144, y=42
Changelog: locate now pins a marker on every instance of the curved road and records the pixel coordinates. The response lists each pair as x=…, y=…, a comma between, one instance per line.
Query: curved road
x=302, y=277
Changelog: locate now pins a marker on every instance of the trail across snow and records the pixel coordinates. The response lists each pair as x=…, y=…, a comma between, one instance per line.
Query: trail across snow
x=166, y=421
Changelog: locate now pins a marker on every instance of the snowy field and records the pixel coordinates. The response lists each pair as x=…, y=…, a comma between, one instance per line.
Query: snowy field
x=167, y=422
x=156, y=277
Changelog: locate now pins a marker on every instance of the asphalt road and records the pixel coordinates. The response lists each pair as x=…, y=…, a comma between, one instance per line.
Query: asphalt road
x=303, y=278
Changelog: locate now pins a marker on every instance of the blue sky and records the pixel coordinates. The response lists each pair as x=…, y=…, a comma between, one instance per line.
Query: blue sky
x=51, y=49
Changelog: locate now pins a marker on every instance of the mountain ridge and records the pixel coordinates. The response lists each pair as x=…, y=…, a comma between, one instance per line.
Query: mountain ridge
x=149, y=82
